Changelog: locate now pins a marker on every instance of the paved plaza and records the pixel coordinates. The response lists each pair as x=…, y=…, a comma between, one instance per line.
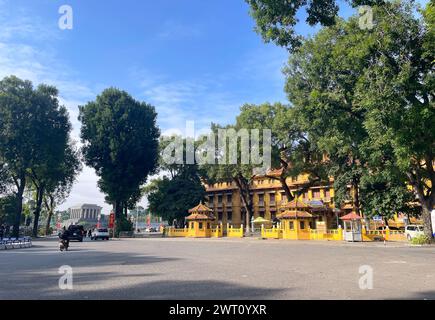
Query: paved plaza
x=163, y=268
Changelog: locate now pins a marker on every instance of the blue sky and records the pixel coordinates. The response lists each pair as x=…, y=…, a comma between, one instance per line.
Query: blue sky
x=193, y=59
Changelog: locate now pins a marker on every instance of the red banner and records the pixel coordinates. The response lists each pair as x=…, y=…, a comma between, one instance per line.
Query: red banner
x=111, y=220
x=149, y=220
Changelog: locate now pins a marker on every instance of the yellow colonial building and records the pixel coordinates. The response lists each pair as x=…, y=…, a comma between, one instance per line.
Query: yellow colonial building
x=269, y=200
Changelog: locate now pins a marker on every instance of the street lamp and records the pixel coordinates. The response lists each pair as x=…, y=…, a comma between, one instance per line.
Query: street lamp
x=137, y=217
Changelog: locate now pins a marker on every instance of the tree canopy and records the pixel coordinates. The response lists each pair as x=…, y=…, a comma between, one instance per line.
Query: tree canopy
x=276, y=19
x=366, y=98
x=120, y=138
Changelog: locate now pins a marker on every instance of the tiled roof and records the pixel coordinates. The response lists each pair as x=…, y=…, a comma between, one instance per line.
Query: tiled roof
x=294, y=215
x=351, y=216
x=200, y=208
x=201, y=212
x=200, y=216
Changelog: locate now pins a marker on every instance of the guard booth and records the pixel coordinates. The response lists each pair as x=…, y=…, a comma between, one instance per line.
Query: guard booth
x=296, y=224
x=352, y=227
x=199, y=221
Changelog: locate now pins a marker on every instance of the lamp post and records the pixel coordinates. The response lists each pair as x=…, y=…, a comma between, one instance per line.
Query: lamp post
x=137, y=217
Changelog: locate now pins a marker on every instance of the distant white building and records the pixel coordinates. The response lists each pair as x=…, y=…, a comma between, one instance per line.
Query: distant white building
x=84, y=214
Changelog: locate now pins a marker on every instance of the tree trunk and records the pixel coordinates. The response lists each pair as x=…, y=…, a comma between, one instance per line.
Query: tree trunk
x=355, y=184
x=50, y=208
x=286, y=188
x=21, y=185
x=39, y=198
x=426, y=201
x=244, y=192
x=427, y=224
x=118, y=210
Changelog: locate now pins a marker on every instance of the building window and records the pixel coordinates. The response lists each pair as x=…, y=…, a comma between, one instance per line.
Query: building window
x=302, y=224
x=291, y=225
x=220, y=216
x=316, y=194
x=229, y=199
x=200, y=225
x=219, y=199
x=261, y=213
x=327, y=194
x=272, y=198
x=261, y=199
x=229, y=216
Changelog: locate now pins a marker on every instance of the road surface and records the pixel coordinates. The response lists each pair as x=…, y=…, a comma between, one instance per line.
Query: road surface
x=163, y=268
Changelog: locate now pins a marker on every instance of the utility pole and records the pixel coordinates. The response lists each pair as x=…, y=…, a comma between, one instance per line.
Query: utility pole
x=137, y=217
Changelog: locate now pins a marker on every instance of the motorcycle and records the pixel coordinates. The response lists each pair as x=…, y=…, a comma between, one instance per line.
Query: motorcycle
x=63, y=245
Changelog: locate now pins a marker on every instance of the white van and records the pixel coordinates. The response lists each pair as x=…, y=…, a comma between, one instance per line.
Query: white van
x=413, y=230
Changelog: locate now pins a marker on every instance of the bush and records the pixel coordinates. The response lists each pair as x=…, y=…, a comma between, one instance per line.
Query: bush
x=123, y=225
x=421, y=239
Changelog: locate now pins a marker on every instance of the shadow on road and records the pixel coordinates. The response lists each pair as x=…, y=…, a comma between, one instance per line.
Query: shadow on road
x=171, y=290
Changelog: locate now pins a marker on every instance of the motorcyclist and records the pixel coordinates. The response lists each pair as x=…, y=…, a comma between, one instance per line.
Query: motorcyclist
x=64, y=237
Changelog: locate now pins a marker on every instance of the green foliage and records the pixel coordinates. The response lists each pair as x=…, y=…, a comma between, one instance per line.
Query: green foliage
x=365, y=98
x=292, y=150
x=385, y=194
x=8, y=206
x=123, y=224
x=171, y=198
x=276, y=19
x=34, y=130
x=421, y=240
x=120, y=140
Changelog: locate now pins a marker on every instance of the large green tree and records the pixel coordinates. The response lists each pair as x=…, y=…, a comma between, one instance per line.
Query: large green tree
x=21, y=114
x=181, y=186
x=397, y=90
x=321, y=80
x=293, y=153
x=367, y=99
x=120, y=138
x=52, y=152
x=171, y=197
x=227, y=168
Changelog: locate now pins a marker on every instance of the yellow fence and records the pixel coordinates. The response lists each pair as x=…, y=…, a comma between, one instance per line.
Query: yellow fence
x=217, y=232
x=332, y=235
x=313, y=234
x=172, y=232
x=393, y=235
x=234, y=232
x=381, y=235
x=274, y=233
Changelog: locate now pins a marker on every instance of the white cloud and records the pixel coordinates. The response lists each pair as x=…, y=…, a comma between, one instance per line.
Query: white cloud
x=38, y=63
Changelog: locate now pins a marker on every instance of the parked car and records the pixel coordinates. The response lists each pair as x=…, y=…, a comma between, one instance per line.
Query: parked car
x=102, y=234
x=413, y=230
x=76, y=233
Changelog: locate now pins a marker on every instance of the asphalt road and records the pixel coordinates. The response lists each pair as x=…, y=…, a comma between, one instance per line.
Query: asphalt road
x=218, y=269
